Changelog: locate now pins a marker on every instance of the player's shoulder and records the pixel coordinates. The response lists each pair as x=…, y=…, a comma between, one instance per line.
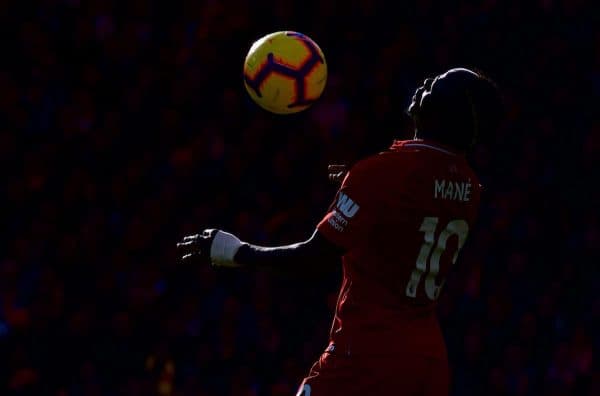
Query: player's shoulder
x=427, y=154
x=372, y=168
x=396, y=157
x=423, y=147
x=409, y=157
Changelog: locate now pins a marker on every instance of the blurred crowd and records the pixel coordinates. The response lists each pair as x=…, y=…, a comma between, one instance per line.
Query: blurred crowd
x=125, y=126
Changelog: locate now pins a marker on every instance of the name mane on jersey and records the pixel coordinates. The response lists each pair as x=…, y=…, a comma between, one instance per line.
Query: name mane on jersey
x=452, y=190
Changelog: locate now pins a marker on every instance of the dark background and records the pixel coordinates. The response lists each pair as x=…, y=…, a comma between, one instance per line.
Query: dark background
x=125, y=125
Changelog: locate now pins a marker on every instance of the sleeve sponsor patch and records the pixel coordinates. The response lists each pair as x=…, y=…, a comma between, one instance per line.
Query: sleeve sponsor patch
x=344, y=210
x=347, y=223
x=337, y=221
x=347, y=206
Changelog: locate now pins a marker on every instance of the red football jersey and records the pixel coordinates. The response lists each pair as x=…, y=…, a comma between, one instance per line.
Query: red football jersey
x=403, y=216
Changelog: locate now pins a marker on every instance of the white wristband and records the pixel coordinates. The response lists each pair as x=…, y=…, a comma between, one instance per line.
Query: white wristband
x=223, y=249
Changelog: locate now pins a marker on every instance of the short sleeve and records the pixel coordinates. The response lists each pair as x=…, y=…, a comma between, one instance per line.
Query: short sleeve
x=353, y=212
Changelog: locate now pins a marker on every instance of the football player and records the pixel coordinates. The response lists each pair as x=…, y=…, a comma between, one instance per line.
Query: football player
x=398, y=221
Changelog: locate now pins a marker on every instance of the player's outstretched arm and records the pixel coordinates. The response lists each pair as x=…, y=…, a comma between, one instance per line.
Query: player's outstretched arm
x=223, y=249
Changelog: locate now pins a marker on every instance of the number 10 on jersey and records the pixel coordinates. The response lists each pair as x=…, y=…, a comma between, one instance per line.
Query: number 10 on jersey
x=431, y=254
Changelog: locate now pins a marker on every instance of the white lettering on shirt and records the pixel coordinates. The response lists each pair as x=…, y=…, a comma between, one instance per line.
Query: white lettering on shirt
x=452, y=190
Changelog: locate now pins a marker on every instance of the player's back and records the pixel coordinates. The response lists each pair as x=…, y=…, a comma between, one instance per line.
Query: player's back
x=413, y=208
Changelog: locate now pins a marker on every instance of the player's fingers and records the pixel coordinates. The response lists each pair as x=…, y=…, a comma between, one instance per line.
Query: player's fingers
x=186, y=248
x=335, y=168
x=184, y=245
x=191, y=237
x=336, y=177
x=194, y=257
x=189, y=257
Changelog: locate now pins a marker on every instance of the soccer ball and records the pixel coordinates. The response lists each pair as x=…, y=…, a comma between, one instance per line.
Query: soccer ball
x=285, y=72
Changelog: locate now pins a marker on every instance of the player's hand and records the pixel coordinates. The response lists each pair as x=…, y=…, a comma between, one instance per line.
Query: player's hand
x=197, y=247
x=337, y=173
x=212, y=246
